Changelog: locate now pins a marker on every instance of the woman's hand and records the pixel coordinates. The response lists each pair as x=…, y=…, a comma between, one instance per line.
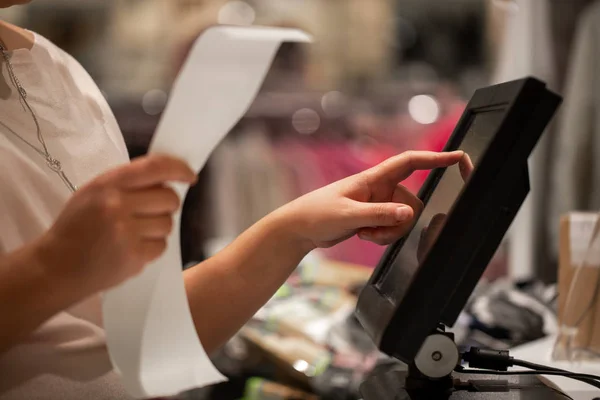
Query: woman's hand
x=226, y=290
x=372, y=204
x=112, y=227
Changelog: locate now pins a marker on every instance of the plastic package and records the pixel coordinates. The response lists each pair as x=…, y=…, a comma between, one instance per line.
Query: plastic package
x=579, y=333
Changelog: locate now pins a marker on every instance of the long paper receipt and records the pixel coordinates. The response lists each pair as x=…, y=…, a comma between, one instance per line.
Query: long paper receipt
x=151, y=336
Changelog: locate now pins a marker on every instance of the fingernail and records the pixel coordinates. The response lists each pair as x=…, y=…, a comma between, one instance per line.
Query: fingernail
x=403, y=214
x=364, y=236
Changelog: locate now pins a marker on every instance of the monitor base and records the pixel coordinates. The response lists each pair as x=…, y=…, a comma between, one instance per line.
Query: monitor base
x=400, y=384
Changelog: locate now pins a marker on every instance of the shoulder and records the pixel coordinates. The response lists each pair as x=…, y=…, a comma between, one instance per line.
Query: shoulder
x=85, y=85
x=58, y=55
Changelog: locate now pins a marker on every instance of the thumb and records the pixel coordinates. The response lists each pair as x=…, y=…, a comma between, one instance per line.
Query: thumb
x=381, y=214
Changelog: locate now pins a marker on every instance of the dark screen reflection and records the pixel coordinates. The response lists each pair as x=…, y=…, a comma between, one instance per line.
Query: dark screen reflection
x=399, y=274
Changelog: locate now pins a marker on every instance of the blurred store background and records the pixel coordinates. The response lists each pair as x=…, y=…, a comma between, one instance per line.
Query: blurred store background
x=383, y=76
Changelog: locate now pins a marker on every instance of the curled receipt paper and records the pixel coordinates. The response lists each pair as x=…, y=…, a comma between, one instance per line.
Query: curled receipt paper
x=151, y=336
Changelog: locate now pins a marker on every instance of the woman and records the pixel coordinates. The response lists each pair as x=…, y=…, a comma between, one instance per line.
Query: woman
x=69, y=230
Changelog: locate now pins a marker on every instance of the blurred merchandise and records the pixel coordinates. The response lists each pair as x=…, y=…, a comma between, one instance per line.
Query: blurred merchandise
x=261, y=389
x=296, y=357
x=309, y=311
x=295, y=341
x=306, y=337
x=579, y=285
x=504, y=315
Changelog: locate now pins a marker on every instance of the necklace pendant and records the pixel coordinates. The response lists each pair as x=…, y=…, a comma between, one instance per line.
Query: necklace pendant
x=54, y=164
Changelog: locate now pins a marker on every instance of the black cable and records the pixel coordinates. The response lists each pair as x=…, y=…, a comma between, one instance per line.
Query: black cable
x=540, y=367
x=498, y=362
x=585, y=378
x=537, y=367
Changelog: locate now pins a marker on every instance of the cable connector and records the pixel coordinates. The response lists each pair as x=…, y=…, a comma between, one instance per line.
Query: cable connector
x=488, y=359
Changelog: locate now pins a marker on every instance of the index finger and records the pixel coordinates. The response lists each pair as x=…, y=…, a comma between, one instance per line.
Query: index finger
x=151, y=171
x=400, y=167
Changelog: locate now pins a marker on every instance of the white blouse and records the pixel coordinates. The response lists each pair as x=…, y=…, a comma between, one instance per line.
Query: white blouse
x=66, y=358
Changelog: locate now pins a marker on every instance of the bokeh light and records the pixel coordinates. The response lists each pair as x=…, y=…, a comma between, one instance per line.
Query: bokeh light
x=306, y=121
x=334, y=104
x=237, y=12
x=154, y=102
x=424, y=109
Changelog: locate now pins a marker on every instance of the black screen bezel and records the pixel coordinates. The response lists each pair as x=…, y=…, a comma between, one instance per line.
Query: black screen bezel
x=399, y=329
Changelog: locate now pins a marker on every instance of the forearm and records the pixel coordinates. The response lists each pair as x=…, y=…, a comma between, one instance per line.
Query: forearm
x=29, y=294
x=226, y=291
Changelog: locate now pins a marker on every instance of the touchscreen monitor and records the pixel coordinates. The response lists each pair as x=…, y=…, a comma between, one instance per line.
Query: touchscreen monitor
x=424, y=279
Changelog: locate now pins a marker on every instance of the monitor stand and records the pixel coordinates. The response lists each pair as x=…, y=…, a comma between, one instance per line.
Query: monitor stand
x=431, y=377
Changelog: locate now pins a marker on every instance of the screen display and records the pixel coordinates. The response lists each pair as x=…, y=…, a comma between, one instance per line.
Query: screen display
x=397, y=276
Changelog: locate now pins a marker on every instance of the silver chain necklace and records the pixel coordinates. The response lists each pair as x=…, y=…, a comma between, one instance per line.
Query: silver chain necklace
x=52, y=163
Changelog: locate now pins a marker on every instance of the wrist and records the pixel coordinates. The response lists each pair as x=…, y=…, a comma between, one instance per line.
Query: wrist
x=58, y=269
x=285, y=227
